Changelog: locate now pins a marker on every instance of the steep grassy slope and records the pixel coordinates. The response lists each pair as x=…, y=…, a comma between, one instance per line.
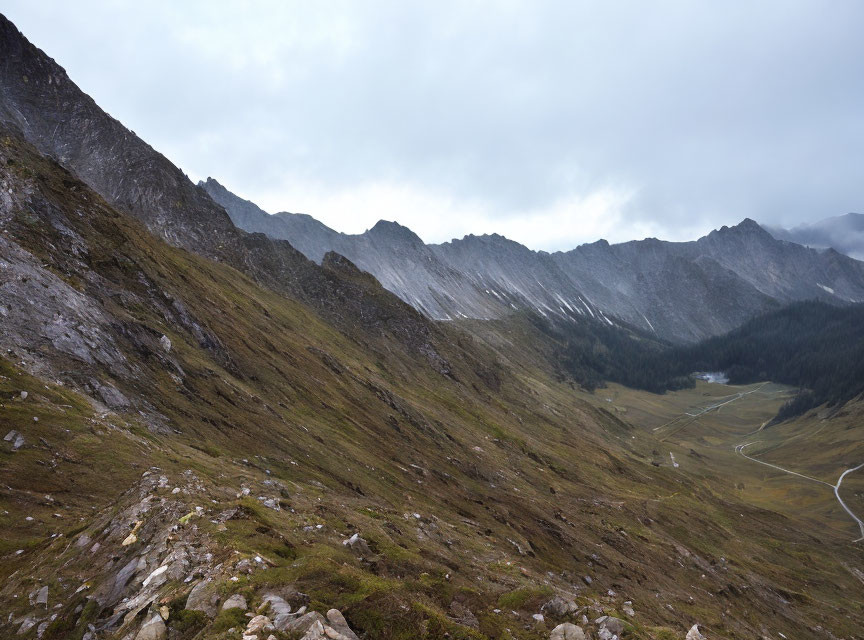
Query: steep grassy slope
x=230, y=421
x=726, y=432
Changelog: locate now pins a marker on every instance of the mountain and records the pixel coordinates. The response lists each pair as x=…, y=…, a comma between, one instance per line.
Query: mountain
x=686, y=291
x=678, y=291
x=477, y=277
x=842, y=233
x=209, y=436
x=61, y=121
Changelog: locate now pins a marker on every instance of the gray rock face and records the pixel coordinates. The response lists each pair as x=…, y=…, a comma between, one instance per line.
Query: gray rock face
x=610, y=627
x=680, y=291
x=476, y=277
x=201, y=598
x=153, y=629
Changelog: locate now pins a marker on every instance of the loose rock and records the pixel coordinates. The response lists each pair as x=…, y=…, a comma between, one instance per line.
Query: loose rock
x=558, y=607
x=304, y=622
x=237, y=601
x=567, y=631
x=358, y=545
x=16, y=439
x=280, y=611
x=337, y=622
x=258, y=624
x=694, y=634
x=153, y=629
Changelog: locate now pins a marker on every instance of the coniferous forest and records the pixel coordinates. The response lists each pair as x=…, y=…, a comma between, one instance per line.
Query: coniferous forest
x=814, y=346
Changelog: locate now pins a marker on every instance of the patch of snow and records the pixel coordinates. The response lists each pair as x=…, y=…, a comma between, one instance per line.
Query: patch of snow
x=649, y=322
x=828, y=289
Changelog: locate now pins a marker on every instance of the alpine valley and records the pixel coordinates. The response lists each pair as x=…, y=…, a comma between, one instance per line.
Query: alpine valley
x=224, y=424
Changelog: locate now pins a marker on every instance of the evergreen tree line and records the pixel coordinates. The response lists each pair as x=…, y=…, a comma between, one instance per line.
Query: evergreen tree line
x=814, y=346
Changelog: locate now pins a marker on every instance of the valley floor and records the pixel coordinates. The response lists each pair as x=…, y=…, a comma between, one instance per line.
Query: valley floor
x=724, y=431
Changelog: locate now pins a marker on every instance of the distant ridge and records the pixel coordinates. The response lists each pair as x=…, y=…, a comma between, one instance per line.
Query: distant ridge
x=678, y=291
x=843, y=233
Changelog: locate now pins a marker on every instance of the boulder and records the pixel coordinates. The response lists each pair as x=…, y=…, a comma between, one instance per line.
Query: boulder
x=236, y=601
x=463, y=615
x=358, y=545
x=201, y=598
x=337, y=622
x=558, y=607
x=153, y=629
x=258, y=625
x=567, y=631
x=302, y=624
x=315, y=632
x=26, y=625
x=694, y=634
x=279, y=610
x=15, y=438
x=609, y=627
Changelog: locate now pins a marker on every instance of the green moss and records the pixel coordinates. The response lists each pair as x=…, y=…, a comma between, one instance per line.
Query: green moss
x=228, y=618
x=66, y=627
x=524, y=598
x=186, y=624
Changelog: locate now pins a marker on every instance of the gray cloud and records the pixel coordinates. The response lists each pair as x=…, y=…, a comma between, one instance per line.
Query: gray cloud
x=552, y=122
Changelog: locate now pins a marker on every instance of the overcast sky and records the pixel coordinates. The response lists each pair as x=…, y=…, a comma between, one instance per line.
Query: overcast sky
x=553, y=123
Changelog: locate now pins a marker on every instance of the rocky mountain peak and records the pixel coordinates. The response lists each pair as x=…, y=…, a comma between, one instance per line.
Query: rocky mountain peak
x=393, y=231
x=747, y=226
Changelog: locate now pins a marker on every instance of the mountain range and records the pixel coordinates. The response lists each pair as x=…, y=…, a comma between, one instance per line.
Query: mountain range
x=676, y=291
x=220, y=424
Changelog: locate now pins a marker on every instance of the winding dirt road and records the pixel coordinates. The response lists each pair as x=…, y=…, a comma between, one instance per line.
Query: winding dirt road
x=836, y=487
